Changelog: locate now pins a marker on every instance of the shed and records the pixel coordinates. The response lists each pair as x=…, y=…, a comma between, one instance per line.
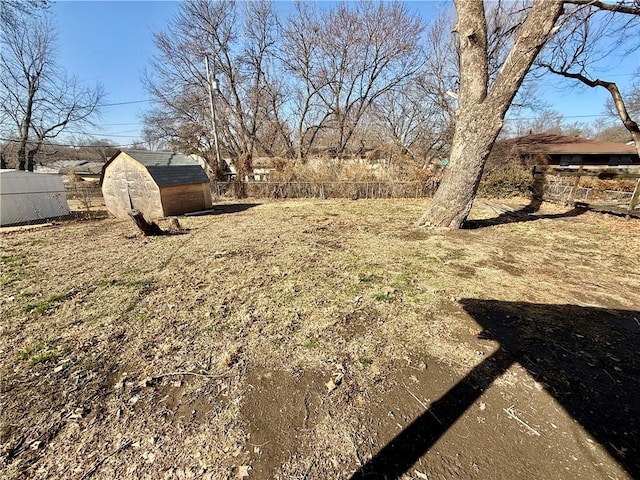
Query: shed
x=27, y=197
x=158, y=184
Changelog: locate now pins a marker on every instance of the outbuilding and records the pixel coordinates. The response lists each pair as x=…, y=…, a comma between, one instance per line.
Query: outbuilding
x=158, y=184
x=27, y=197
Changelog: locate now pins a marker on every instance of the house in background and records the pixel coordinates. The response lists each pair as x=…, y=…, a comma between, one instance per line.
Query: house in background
x=89, y=171
x=563, y=151
x=262, y=167
x=27, y=197
x=158, y=184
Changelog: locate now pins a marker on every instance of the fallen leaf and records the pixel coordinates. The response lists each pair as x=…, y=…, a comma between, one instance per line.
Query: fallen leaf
x=475, y=331
x=243, y=471
x=149, y=457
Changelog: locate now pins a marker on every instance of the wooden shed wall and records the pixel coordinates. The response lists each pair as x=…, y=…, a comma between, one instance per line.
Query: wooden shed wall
x=125, y=178
x=180, y=199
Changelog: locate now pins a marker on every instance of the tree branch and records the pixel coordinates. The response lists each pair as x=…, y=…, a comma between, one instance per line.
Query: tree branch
x=617, y=7
x=534, y=33
x=613, y=90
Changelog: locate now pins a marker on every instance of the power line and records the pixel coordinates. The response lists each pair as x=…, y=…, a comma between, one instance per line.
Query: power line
x=118, y=124
x=127, y=103
x=562, y=117
x=96, y=134
x=50, y=144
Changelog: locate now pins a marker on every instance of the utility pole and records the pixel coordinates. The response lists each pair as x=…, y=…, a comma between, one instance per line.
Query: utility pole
x=213, y=87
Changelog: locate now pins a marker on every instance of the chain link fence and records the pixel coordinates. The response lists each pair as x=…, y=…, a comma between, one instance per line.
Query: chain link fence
x=84, y=195
x=323, y=190
x=558, y=191
x=616, y=196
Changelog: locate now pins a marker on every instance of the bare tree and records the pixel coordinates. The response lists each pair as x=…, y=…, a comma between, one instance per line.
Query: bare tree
x=342, y=60
x=238, y=40
x=425, y=111
x=300, y=54
x=13, y=11
x=102, y=148
x=418, y=116
x=633, y=98
x=482, y=103
x=38, y=99
x=483, y=100
x=178, y=82
x=593, y=31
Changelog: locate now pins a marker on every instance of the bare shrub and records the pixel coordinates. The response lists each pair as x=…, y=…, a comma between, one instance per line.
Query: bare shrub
x=510, y=180
x=82, y=193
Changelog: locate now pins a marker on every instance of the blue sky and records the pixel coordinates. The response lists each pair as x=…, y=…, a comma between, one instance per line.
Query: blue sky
x=111, y=42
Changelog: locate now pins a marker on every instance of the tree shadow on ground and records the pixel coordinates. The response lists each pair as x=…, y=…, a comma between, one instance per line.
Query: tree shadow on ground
x=525, y=214
x=233, y=208
x=587, y=358
x=226, y=208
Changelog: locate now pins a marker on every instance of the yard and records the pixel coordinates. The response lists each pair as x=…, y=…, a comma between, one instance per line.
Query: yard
x=323, y=339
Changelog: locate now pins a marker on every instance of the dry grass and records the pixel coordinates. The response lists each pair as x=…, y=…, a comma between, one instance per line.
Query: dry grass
x=99, y=323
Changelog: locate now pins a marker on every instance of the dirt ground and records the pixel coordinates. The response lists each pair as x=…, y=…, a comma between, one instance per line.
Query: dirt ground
x=323, y=340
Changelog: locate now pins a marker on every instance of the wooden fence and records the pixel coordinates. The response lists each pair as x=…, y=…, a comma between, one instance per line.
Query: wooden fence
x=572, y=193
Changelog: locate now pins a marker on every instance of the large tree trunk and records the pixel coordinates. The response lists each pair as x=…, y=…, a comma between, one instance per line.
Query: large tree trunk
x=22, y=158
x=472, y=143
x=481, y=111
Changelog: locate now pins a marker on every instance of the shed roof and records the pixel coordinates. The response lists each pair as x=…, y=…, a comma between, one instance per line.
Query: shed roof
x=166, y=168
x=167, y=176
x=160, y=159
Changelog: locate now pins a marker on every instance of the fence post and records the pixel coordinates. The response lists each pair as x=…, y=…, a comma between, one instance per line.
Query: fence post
x=574, y=189
x=635, y=197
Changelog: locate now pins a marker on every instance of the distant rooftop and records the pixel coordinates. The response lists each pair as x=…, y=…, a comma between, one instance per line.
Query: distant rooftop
x=563, y=145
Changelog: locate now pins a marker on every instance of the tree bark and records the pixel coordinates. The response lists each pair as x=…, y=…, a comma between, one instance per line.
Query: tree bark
x=24, y=135
x=481, y=110
x=148, y=229
x=472, y=143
